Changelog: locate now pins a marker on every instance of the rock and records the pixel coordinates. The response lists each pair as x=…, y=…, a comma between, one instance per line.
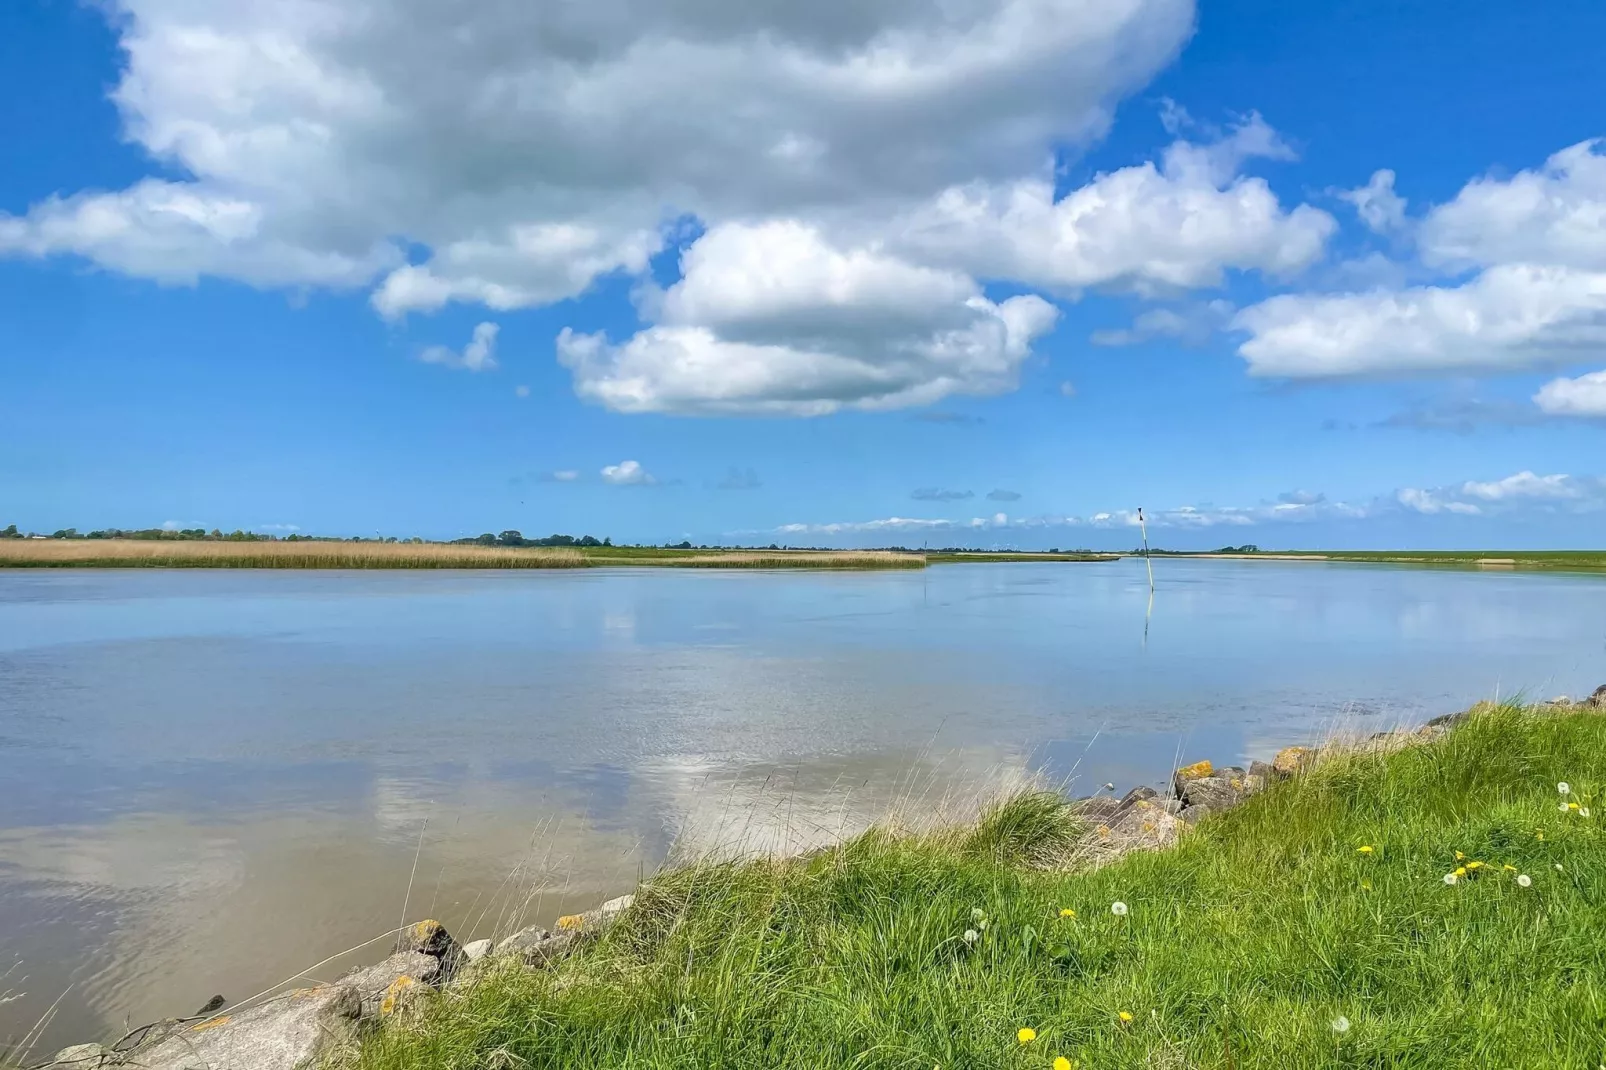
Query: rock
x=1192, y=815
x=1190, y=772
x=295, y=1030
x=1262, y=770
x=80, y=1057
x=594, y=921
x=212, y=1006
x=1291, y=760
x=1142, y=794
x=431, y=938
x=1096, y=808
x=1597, y=700
x=477, y=949
x=536, y=946
x=1560, y=700
x=1216, y=793
x=1445, y=720
x=1138, y=830
x=374, y=984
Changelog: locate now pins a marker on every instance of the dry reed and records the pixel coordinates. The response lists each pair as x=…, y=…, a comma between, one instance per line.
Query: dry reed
x=134, y=553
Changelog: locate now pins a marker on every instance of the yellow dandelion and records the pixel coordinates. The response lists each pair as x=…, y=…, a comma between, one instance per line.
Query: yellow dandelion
x=1366, y=886
x=1125, y=1016
x=1572, y=806
x=1364, y=849
x=1509, y=868
x=1474, y=865
x=1461, y=871
x=1067, y=912
x=1026, y=1036
x=1459, y=857
x=1539, y=834
x=1062, y=1063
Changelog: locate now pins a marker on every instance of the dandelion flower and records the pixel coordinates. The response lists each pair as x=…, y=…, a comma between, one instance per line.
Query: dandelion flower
x=1125, y=1016
x=1459, y=857
x=1366, y=886
x=1364, y=849
x=1539, y=834
x=1118, y=908
x=1583, y=811
x=1340, y=1024
x=1509, y=868
x=1564, y=788
x=971, y=936
x=1474, y=865
x=1562, y=807
x=1027, y=1035
x=1450, y=878
x=1062, y=1063
x=1067, y=912
x=1523, y=880
x=1572, y=806
x=978, y=914
x=1461, y=871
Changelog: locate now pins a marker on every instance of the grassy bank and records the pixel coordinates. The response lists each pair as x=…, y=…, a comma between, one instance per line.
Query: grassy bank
x=964, y=557
x=1267, y=938
x=1556, y=560
x=317, y=554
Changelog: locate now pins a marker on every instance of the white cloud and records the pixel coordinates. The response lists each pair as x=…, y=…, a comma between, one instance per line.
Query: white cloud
x=1523, y=485
x=1538, y=243
x=1146, y=228
x=774, y=319
x=626, y=474
x=1424, y=501
x=1508, y=317
x=478, y=356
x=1192, y=324
x=533, y=148
x=1380, y=208
x=1584, y=396
x=1521, y=492
x=1553, y=215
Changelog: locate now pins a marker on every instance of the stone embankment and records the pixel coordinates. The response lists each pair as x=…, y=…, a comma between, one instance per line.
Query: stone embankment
x=308, y=1025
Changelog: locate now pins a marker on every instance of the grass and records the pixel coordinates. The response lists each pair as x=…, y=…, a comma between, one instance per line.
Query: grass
x=995, y=556
x=1564, y=560
x=130, y=553
x=1241, y=948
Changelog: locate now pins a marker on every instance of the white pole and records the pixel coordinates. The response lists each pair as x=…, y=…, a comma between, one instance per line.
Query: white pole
x=1144, y=527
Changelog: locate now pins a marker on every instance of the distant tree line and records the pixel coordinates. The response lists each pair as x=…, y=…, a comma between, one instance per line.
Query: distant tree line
x=514, y=538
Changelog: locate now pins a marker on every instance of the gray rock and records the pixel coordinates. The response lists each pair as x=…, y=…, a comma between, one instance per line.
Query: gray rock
x=594, y=921
x=386, y=980
x=1597, y=700
x=1263, y=770
x=1217, y=793
x=477, y=949
x=1192, y=815
x=431, y=938
x=536, y=946
x=294, y=1030
x=80, y=1057
x=1096, y=808
x=1137, y=795
x=1560, y=700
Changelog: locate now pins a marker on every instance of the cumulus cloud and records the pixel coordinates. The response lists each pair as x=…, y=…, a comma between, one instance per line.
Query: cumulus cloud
x=936, y=494
x=1380, y=208
x=1150, y=228
x=627, y=474
x=534, y=148
x=1537, y=242
x=478, y=356
x=773, y=319
x=1522, y=492
x=1584, y=396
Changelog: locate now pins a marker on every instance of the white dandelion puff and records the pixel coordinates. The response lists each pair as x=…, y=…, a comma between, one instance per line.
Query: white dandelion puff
x=1450, y=878
x=1118, y=908
x=1564, y=788
x=1523, y=880
x=971, y=936
x=1340, y=1024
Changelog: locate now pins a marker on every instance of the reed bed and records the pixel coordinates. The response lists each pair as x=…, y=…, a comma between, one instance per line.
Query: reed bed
x=133, y=553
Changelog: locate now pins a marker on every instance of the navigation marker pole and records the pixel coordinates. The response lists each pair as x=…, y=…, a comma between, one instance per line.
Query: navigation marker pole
x=1143, y=527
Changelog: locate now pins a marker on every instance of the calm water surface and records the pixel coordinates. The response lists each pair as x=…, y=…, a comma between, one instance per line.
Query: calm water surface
x=214, y=779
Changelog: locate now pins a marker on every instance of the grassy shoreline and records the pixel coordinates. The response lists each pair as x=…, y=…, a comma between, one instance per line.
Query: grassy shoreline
x=1311, y=926
x=1497, y=560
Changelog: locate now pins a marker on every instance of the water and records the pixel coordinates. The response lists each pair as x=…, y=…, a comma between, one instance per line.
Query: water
x=215, y=779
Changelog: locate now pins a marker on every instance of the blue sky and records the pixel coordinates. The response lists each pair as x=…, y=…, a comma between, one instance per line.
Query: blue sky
x=850, y=273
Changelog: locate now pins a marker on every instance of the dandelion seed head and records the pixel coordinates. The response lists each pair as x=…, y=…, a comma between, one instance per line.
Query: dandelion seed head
x=1340, y=1024
x=1564, y=788
x=1118, y=908
x=1524, y=880
x=1450, y=878
x=971, y=936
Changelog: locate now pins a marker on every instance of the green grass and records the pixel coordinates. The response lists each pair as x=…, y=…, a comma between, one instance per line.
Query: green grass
x=1240, y=949
x=1005, y=556
x=1575, y=560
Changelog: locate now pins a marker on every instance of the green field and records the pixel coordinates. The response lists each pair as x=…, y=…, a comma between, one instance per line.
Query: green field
x=1565, y=560
x=1268, y=939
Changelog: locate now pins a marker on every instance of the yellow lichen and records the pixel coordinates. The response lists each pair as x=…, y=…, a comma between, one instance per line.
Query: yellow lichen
x=572, y=921
x=393, y=993
x=210, y=1023
x=1196, y=770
